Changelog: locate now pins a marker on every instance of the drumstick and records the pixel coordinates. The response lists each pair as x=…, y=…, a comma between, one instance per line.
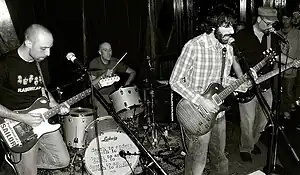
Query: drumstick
x=119, y=61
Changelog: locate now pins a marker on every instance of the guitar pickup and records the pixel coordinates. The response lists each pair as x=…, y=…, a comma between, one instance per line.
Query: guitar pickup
x=218, y=101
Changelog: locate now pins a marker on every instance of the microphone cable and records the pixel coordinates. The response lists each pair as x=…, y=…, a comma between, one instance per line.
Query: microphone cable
x=123, y=155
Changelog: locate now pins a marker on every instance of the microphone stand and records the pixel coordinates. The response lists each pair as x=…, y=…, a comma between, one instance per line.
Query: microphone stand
x=267, y=111
x=276, y=169
x=115, y=116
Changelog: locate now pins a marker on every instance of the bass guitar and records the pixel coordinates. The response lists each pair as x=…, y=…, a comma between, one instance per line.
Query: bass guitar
x=245, y=97
x=20, y=137
x=195, y=119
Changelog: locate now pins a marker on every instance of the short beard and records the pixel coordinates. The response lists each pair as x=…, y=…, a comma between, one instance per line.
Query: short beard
x=219, y=36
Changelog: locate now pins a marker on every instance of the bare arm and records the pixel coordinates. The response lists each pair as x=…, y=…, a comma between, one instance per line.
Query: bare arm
x=131, y=77
x=9, y=114
x=24, y=118
x=237, y=68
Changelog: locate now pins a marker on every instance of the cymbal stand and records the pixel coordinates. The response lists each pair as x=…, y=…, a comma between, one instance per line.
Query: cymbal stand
x=153, y=128
x=78, y=152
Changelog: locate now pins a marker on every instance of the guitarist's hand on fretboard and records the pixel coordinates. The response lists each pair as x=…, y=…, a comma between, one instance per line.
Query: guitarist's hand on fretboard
x=208, y=105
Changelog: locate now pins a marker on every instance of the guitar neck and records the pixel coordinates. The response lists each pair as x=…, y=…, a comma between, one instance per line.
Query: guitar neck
x=229, y=89
x=50, y=113
x=274, y=72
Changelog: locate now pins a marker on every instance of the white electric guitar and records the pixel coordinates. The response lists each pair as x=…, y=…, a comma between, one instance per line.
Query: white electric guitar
x=20, y=137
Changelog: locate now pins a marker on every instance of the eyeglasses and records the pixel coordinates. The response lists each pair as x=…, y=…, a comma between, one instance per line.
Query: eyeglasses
x=268, y=23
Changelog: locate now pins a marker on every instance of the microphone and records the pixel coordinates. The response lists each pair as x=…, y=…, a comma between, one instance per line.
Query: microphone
x=71, y=57
x=122, y=154
x=282, y=38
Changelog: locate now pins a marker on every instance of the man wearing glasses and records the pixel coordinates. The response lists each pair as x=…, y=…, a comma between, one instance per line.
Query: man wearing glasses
x=252, y=42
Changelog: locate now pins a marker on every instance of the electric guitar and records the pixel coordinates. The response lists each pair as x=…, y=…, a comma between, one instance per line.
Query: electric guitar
x=195, y=119
x=20, y=137
x=245, y=97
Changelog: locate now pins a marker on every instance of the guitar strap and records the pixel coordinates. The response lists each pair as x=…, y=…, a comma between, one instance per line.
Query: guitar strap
x=44, y=89
x=224, y=50
x=269, y=41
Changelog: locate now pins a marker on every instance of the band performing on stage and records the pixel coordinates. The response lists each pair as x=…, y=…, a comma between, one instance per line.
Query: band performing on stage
x=232, y=78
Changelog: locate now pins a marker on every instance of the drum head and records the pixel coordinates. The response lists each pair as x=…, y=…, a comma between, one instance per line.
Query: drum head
x=110, y=144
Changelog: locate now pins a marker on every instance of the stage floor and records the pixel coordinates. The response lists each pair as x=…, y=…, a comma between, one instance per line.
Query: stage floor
x=173, y=161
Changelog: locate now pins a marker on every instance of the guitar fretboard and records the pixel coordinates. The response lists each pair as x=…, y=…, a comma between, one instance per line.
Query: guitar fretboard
x=50, y=113
x=232, y=87
x=274, y=72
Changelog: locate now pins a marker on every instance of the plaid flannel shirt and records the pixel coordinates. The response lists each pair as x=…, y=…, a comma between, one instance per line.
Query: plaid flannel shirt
x=199, y=65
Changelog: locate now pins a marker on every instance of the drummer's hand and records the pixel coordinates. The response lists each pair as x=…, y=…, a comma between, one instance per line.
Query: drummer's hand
x=64, y=109
x=109, y=72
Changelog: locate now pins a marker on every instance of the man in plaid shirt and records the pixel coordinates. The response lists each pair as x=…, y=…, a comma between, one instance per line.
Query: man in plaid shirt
x=199, y=65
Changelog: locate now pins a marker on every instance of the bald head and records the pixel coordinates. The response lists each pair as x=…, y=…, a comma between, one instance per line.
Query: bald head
x=38, y=40
x=34, y=31
x=105, y=51
x=104, y=45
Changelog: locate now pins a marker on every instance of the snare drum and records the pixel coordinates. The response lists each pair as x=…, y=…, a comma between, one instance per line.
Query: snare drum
x=111, y=140
x=74, y=126
x=127, y=102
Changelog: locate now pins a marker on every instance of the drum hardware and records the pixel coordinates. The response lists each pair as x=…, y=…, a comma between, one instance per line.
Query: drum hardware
x=135, y=140
x=77, y=153
x=156, y=131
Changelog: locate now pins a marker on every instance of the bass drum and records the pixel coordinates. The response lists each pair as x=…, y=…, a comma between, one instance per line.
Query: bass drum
x=110, y=141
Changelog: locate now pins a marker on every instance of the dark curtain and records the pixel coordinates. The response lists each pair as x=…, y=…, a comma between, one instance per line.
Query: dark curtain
x=120, y=22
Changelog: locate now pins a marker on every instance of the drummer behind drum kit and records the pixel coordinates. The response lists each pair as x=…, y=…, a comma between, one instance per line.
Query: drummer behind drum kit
x=106, y=145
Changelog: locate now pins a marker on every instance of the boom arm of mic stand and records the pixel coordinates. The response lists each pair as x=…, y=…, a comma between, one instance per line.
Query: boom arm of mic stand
x=105, y=104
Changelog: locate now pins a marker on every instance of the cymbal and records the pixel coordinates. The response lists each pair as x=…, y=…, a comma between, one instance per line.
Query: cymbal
x=93, y=69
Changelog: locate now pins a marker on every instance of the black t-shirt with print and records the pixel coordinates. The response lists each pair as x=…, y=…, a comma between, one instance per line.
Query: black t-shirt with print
x=20, y=81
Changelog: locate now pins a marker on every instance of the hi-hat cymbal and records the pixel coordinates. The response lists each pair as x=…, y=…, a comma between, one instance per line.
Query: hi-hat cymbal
x=94, y=69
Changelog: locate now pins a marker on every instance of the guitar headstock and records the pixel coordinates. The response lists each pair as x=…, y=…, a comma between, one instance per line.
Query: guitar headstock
x=270, y=55
x=107, y=81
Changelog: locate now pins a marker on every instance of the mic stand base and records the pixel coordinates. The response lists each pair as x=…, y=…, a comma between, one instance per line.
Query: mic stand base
x=276, y=170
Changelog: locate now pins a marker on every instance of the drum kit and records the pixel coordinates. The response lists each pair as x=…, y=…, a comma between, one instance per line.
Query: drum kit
x=112, y=144
x=99, y=141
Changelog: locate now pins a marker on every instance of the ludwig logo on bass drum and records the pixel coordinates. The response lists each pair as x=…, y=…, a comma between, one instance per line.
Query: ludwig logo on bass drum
x=107, y=139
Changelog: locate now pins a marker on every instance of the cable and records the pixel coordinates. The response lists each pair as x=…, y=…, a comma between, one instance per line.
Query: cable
x=123, y=155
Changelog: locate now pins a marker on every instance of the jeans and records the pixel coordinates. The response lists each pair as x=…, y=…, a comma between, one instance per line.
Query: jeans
x=253, y=121
x=198, y=146
x=50, y=152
